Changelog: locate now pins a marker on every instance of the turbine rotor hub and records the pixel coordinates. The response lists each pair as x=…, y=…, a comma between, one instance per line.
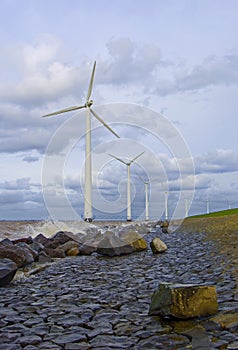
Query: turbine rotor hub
x=89, y=103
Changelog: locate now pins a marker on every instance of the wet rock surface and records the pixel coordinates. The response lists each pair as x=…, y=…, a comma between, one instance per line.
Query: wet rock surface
x=7, y=271
x=184, y=301
x=95, y=302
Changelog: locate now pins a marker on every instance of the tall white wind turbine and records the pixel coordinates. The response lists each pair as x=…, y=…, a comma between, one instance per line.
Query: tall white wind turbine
x=88, y=215
x=128, y=164
x=146, y=183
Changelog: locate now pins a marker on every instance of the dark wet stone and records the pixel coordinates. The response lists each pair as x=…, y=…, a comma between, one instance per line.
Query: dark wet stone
x=6, y=241
x=163, y=342
x=13, y=319
x=233, y=346
x=8, y=270
x=69, y=338
x=28, y=247
x=40, y=238
x=3, y=323
x=77, y=346
x=19, y=255
x=111, y=245
x=40, y=330
x=200, y=339
x=36, y=246
x=33, y=321
x=7, y=311
x=9, y=337
x=54, y=253
x=30, y=340
x=49, y=346
x=87, y=249
x=44, y=258
x=58, y=239
x=10, y=347
x=112, y=342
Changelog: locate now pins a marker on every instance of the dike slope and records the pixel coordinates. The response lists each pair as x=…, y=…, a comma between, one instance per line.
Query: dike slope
x=223, y=230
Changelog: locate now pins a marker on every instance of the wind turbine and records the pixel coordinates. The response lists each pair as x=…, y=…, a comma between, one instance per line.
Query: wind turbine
x=88, y=215
x=146, y=183
x=128, y=164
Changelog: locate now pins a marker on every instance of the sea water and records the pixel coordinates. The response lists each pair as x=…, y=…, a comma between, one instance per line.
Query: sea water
x=22, y=229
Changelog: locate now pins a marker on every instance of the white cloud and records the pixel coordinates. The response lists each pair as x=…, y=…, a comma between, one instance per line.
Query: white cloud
x=219, y=161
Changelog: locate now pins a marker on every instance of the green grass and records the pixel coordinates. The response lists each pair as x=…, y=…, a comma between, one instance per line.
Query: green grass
x=217, y=213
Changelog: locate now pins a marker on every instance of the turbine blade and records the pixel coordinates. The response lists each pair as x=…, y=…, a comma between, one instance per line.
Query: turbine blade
x=102, y=121
x=136, y=157
x=140, y=177
x=144, y=181
x=64, y=110
x=120, y=160
x=91, y=83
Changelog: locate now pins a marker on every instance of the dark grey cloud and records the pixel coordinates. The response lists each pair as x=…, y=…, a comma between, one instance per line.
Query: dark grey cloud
x=212, y=71
x=18, y=184
x=18, y=198
x=30, y=159
x=219, y=161
x=11, y=197
x=129, y=62
x=24, y=140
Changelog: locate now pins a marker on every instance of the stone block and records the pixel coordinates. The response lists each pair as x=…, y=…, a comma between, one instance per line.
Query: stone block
x=111, y=245
x=158, y=246
x=7, y=271
x=184, y=301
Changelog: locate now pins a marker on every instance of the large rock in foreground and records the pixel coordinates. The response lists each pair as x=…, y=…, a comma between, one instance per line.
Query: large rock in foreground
x=7, y=271
x=184, y=301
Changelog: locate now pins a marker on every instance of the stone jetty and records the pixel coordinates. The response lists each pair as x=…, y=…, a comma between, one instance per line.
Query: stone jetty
x=100, y=302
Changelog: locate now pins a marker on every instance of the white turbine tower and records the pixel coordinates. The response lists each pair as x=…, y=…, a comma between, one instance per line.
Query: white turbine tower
x=88, y=215
x=146, y=183
x=128, y=164
x=166, y=205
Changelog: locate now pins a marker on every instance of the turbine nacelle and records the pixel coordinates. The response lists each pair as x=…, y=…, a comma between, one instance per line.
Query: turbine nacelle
x=89, y=103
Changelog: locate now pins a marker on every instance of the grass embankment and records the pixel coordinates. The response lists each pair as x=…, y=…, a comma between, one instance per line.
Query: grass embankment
x=221, y=228
x=217, y=213
x=221, y=223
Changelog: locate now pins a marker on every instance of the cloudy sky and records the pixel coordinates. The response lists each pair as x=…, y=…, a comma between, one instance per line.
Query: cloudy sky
x=166, y=81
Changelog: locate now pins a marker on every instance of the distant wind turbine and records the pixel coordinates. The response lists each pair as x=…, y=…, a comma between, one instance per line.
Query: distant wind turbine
x=146, y=183
x=128, y=164
x=88, y=215
x=166, y=205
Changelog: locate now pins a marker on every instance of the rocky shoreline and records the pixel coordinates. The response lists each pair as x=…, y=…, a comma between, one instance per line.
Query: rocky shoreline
x=98, y=302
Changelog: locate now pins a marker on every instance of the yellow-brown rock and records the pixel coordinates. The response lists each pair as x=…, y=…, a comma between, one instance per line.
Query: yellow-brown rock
x=158, y=246
x=184, y=301
x=74, y=251
x=132, y=237
x=139, y=244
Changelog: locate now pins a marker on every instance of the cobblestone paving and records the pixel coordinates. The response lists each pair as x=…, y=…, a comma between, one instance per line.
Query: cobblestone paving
x=92, y=302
